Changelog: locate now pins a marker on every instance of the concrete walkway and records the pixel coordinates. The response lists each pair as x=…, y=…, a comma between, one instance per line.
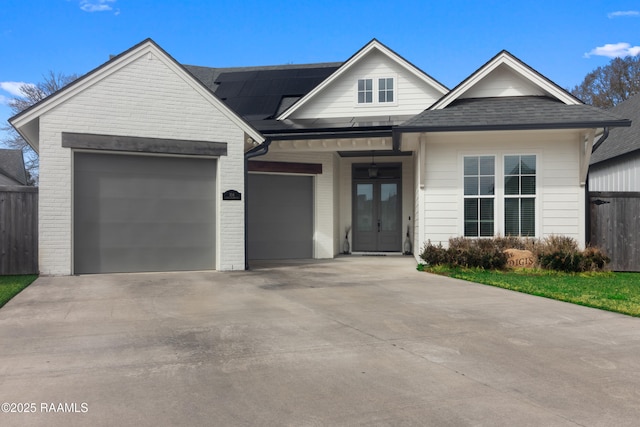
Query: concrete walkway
x=352, y=341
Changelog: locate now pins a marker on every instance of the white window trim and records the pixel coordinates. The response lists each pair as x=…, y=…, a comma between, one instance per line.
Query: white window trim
x=521, y=196
x=480, y=196
x=375, y=84
x=499, y=196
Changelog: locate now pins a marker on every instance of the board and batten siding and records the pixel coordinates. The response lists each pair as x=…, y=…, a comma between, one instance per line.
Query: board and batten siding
x=621, y=174
x=144, y=98
x=559, y=200
x=339, y=99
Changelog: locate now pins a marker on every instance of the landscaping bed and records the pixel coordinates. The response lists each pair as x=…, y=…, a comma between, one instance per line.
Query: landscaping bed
x=559, y=270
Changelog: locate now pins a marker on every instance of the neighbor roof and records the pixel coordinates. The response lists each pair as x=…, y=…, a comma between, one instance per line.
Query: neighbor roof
x=510, y=113
x=12, y=167
x=621, y=141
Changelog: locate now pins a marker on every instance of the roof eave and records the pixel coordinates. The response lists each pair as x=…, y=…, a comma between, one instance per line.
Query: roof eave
x=522, y=126
x=330, y=133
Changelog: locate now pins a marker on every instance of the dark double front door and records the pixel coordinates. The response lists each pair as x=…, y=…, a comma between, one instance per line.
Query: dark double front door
x=377, y=212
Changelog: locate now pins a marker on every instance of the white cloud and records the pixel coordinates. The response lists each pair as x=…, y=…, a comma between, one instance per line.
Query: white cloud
x=621, y=13
x=13, y=87
x=4, y=100
x=616, y=50
x=96, y=5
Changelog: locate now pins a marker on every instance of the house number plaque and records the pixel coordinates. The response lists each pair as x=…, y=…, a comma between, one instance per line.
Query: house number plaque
x=231, y=195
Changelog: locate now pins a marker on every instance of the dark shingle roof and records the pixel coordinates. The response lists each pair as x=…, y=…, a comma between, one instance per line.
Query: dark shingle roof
x=256, y=93
x=623, y=140
x=12, y=171
x=510, y=113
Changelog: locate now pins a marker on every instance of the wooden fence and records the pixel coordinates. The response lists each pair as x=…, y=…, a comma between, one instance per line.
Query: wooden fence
x=615, y=227
x=18, y=230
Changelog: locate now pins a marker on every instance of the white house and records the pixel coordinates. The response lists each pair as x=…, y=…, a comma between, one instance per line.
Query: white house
x=150, y=165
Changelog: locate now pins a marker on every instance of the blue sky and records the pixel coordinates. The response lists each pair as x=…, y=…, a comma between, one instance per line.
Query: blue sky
x=562, y=39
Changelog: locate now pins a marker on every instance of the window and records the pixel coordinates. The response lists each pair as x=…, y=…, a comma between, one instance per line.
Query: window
x=479, y=195
x=385, y=90
x=520, y=195
x=384, y=87
x=365, y=91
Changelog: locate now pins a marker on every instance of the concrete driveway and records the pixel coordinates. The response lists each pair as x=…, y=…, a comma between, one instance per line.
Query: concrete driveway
x=351, y=341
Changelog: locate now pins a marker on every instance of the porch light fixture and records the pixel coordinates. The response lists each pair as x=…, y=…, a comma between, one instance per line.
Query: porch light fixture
x=373, y=168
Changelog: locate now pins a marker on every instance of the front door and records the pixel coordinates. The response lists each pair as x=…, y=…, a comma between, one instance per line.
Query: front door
x=377, y=213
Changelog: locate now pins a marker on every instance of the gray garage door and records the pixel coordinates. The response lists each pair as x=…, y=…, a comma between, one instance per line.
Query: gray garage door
x=280, y=216
x=143, y=213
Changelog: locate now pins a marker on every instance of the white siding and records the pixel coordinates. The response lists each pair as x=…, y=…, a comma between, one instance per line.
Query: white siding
x=146, y=98
x=616, y=175
x=503, y=81
x=560, y=198
x=339, y=99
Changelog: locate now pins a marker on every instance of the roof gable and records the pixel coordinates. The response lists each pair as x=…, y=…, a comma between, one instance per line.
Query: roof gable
x=504, y=76
x=26, y=122
x=374, y=46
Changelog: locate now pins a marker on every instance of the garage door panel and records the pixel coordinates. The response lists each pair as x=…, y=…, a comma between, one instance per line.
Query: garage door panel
x=143, y=213
x=280, y=216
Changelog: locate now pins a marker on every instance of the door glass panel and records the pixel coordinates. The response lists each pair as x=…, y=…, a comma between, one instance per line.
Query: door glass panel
x=364, y=206
x=388, y=207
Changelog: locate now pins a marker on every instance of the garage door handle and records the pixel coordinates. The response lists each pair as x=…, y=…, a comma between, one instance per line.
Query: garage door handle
x=378, y=226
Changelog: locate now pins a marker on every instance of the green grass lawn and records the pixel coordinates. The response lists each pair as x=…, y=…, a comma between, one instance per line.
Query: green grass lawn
x=10, y=286
x=619, y=292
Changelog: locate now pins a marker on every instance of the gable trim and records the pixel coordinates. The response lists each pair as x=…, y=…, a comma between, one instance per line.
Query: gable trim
x=146, y=47
x=373, y=44
x=515, y=64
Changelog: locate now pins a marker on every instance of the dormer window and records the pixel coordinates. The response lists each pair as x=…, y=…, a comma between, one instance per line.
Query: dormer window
x=365, y=91
x=385, y=90
x=384, y=87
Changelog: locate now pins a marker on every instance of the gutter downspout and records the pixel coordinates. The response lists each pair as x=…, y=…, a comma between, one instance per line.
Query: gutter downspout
x=258, y=151
x=587, y=231
x=603, y=137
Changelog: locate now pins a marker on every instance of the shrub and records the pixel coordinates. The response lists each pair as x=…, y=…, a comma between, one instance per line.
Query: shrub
x=594, y=259
x=434, y=255
x=559, y=253
x=567, y=261
x=464, y=252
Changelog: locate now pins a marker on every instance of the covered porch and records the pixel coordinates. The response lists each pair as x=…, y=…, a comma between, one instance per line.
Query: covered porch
x=321, y=197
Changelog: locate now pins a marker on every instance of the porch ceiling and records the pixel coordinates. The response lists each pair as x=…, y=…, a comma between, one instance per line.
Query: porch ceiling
x=336, y=144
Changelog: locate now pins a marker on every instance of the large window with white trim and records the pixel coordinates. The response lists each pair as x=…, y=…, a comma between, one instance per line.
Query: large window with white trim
x=520, y=195
x=479, y=196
